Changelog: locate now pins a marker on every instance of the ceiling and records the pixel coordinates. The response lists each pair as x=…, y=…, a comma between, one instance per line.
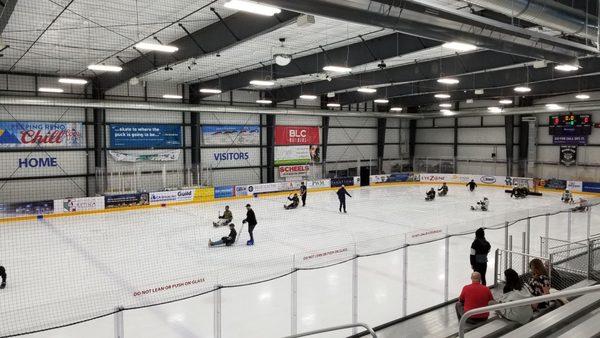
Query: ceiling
x=219, y=47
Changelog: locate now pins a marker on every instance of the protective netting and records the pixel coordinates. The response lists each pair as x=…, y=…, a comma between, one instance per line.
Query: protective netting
x=63, y=270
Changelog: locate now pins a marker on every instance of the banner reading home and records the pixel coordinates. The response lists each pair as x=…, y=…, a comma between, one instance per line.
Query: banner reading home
x=40, y=134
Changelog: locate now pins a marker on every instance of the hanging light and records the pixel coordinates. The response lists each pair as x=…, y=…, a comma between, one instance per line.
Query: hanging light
x=566, y=68
x=337, y=69
x=262, y=83
x=381, y=101
x=252, y=7
x=459, y=46
x=442, y=96
x=263, y=101
x=367, y=90
x=50, y=90
x=397, y=109
x=171, y=96
x=333, y=105
x=308, y=97
x=105, y=68
x=445, y=105
x=156, y=47
x=210, y=91
x=522, y=89
x=73, y=81
x=447, y=112
x=495, y=110
x=448, y=80
x=554, y=106
x=505, y=101
x=582, y=96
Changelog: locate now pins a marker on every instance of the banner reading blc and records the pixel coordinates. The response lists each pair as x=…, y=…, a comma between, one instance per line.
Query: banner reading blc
x=294, y=135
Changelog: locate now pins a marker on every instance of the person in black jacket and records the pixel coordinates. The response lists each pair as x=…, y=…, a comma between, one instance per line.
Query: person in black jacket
x=251, y=220
x=443, y=190
x=303, y=192
x=430, y=195
x=3, y=276
x=341, y=193
x=480, y=248
x=295, y=202
x=472, y=185
x=229, y=240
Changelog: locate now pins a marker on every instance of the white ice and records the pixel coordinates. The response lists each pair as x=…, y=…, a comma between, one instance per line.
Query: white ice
x=66, y=269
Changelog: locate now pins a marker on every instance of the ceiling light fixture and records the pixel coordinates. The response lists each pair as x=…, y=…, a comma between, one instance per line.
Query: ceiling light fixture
x=264, y=101
x=447, y=112
x=445, y=105
x=522, y=89
x=448, y=80
x=308, y=97
x=459, y=46
x=442, y=96
x=382, y=101
x=554, y=106
x=566, y=68
x=262, y=83
x=333, y=105
x=396, y=109
x=495, y=110
x=50, y=90
x=505, y=101
x=105, y=68
x=582, y=96
x=367, y=90
x=156, y=47
x=171, y=96
x=210, y=91
x=337, y=69
x=252, y=7
x=73, y=81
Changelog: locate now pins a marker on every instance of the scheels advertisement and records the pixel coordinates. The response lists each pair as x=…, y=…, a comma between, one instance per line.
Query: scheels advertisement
x=42, y=134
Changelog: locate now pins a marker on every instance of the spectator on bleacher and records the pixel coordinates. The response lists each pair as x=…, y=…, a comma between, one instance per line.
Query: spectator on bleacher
x=479, y=251
x=473, y=296
x=514, y=290
x=539, y=283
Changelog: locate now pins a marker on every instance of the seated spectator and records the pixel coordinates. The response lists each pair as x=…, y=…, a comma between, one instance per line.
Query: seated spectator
x=473, y=296
x=514, y=290
x=539, y=283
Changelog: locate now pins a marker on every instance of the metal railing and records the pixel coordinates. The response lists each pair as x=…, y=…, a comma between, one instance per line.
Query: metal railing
x=335, y=328
x=522, y=302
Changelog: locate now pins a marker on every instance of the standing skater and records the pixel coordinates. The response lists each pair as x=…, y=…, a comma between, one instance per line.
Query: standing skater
x=341, y=193
x=3, y=276
x=472, y=185
x=303, y=192
x=251, y=220
x=479, y=251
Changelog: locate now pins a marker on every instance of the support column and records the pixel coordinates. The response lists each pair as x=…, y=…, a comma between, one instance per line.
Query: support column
x=381, y=128
x=324, y=142
x=509, y=132
x=523, y=146
x=99, y=121
x=412, y=136
x=196, y=160
x=455, y=145
x=270, y=148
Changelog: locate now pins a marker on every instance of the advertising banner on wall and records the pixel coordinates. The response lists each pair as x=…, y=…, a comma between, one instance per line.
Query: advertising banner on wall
x=126, y=200
x=42, y=134
x=575, y=140
x=568, y=155
x=204, y=194
x=171, y=196
x=318, y=184
x=232, y=157
x=145, y=155
x=230, y=135
x=296, y=135
x=241, y=190
x=27, y=208
x=292, y=155
x=225, y=191
x=266, y=187
x=145, y=136
x=293, y=170
x=339, y=181
x=575, y=186
x=78, y=204
x=591, y=187
x=554, y=183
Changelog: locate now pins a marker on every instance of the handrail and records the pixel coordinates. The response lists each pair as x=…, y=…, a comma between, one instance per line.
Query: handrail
x=335, y=328
x=528, y=301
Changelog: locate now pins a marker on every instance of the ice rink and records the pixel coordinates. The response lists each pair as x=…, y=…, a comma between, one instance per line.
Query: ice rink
x=66, y=269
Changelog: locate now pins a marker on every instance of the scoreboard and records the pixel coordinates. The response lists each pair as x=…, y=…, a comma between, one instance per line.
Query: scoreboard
x=570, y=124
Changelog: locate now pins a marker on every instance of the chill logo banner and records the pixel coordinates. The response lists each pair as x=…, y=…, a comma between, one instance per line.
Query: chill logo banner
x=296, y=135
x=230, y=135
x=568, y=155
x=41, y=134
x=157, y=136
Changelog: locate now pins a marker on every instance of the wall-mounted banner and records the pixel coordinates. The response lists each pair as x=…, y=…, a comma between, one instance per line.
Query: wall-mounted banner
x=554, y=183
x=568, y=155
x=145, y=136
x=292, y=155
x=224, y=192
x=27, y=208
x=266, y=187
x=204, y=194
x=232, y=157
x=241, y=190
x=230, y=135
x=293, y=170
x=339, y=181
x=37, y=162
x=575, y=186
x=591, y=187
x=576, y=140
x=78, y=204
x=126, y=200
x=318, y=184
x=171, y=196
x=42, y=134
x=296, y=135
x=145, y=155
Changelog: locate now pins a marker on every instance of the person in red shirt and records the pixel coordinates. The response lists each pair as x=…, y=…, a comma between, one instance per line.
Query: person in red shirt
x=473, y=296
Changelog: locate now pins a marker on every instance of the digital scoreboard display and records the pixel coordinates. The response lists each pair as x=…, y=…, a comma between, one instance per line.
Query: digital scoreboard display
x=570, y=124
